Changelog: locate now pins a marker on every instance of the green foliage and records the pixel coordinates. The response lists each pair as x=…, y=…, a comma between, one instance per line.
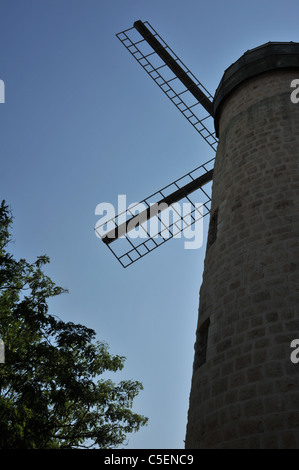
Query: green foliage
x=51, y=395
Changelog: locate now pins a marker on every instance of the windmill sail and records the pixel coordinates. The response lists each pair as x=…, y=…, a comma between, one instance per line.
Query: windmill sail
x=159, y=219
x=172, y=76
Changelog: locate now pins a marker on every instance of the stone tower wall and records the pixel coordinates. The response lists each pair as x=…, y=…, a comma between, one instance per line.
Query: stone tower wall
x=245, y=389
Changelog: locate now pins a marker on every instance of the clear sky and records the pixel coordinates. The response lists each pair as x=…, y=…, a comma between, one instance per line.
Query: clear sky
x=82, y=123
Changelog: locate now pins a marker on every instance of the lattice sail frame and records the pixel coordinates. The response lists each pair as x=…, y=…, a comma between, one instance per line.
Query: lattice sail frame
x=169, y=83
x=128, y=250
x=194, y=101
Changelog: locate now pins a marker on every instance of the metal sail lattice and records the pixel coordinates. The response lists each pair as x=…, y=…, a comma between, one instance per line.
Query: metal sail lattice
x=166, y=224
x=169, y=82
x=196, y=104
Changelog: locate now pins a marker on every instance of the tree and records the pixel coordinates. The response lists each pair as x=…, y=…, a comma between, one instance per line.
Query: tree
x=51, y=393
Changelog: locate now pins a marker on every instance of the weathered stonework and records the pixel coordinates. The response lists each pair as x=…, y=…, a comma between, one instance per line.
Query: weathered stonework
x=246, y=393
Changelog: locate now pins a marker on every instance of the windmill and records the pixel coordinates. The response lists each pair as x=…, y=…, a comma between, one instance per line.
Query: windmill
x=245, y=388
x=194, y=101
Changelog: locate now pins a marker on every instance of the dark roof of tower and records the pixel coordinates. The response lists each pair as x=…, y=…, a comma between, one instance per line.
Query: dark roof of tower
x=264, y=58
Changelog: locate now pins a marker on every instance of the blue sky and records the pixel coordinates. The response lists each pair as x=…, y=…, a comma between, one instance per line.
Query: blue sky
x=83, y=123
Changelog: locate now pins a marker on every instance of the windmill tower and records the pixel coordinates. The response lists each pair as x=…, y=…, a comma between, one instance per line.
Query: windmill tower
x=245, y=388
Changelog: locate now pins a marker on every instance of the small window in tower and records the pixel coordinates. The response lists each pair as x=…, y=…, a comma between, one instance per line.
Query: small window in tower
x=212, y=235
x=201, y=344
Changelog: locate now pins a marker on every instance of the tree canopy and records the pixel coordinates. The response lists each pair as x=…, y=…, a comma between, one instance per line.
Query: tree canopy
x=51, y=391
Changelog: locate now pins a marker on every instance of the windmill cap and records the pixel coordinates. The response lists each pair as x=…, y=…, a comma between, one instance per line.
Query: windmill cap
x=269, y=56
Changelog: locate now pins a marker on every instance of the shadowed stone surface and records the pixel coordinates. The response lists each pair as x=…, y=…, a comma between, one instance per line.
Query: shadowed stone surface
x=246, y=393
